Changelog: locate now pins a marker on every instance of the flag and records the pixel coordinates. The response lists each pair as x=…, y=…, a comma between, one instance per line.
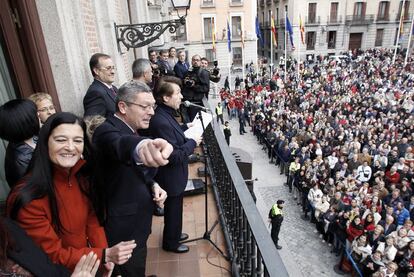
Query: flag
x=242, y=39
x=258, y=32
x=274, y=31
x=228, y=36
x=402, y=19
x=302, y=30
x=290, y=31
x=213, y=31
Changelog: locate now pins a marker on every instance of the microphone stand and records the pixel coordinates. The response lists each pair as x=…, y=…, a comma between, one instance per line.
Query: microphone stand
x=207, y=233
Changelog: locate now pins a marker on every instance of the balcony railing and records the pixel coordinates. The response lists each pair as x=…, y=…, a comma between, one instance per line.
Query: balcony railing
x=359, y=19
x=406, y=17
x=383, y=17
x=314, y=20
x=250, y=247
x=334, y=20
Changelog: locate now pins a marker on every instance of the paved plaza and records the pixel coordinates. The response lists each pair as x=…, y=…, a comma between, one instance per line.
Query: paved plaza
x=303, y=253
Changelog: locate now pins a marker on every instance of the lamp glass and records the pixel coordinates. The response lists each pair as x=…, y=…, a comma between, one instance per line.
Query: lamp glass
x=181, y=4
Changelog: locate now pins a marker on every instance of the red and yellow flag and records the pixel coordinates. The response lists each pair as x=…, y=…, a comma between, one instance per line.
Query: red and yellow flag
x=302, y=30
x=274, y=31
x=213, y=32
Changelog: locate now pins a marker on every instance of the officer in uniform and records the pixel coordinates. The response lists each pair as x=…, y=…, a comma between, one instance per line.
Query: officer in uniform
x=276, y=218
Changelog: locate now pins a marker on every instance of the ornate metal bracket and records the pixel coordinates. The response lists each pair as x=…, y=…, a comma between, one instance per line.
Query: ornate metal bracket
x=139, y=35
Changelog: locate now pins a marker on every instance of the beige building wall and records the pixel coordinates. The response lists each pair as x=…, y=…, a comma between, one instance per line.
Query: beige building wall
x=222, y=10
x=344, y=27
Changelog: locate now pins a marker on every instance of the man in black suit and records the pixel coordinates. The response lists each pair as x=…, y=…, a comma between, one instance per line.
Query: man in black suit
x=101, y=94
x=173, y=176
x=126, y=164
x=388, y=224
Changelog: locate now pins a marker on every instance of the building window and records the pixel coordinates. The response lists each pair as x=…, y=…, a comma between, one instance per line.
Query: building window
x=334, y=12
x=236, y=30
x=312, y=13
x=331, y=39
x=236, y=2
x=383, y=10
x=181, y=34
x=310, y=40
x=208, y=23
x=359, y=9
x=406, y=9
x=237, y=56
x=207, y=3
x=379, y=36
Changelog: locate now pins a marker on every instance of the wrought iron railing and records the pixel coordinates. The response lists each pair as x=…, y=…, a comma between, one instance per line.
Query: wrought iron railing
x=250, y=247
x=359, y=19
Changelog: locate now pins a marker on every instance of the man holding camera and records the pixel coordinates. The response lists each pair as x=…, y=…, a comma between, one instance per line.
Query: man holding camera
x=196, y=86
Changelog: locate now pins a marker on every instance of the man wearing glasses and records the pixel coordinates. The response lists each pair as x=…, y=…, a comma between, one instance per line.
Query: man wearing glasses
x=101, y=94
x=126, y=166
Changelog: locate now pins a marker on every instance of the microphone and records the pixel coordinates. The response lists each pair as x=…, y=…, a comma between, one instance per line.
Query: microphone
x=190, y=104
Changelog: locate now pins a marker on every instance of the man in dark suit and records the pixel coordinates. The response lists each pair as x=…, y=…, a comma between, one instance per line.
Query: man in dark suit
x=101, y=94
x=173, y=176
x=388, y=224
x=126, y=164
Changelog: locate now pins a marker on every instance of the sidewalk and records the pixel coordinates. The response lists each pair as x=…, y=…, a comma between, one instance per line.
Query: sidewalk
x=303, y=253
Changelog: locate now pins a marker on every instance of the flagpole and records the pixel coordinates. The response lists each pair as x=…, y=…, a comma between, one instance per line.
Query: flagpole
x=243, y=46
x=271, y=47
x=409, y=41
x=398, y=32
x=285, y=75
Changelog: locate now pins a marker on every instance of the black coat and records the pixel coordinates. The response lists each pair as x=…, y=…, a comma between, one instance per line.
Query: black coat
x=29, y=256
x=16, y=161
x=172, y=177
x=99, y=100
x=126, y=185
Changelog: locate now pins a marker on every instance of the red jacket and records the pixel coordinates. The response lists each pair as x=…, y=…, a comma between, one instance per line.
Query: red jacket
x=353, y=232
x=80, y=224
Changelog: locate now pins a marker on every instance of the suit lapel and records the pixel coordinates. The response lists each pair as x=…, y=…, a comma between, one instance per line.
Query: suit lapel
x=107, y=90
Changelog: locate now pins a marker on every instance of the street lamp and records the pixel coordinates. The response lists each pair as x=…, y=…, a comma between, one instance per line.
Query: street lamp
x=139, y=35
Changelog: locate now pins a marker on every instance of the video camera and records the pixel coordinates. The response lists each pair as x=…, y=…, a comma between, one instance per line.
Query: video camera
x=190, y=78
x=215, y=73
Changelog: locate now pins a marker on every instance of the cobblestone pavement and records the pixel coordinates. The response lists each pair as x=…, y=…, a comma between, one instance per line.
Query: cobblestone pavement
x=303, y=253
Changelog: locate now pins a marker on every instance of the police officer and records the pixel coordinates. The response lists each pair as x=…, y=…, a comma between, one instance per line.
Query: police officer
x=276, y=218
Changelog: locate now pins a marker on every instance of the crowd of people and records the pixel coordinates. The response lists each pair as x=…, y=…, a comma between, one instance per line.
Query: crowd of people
x=84, y=190
x=342, y=131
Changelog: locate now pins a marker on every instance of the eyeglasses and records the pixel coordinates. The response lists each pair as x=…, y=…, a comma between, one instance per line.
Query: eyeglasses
x=144, y=107
x=108, y=68
x=47, y=109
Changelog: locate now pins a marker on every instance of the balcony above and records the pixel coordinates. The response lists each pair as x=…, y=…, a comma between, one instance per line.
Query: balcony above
x=316, y=20
x=334, y=20
x=359, y=19
x=383, y=18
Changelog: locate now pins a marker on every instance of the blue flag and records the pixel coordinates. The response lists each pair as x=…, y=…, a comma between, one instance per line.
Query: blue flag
x=290, y=31
x=228, y=36
x=258, y=32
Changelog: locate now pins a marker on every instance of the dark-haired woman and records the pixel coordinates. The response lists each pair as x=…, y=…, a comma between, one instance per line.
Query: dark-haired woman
x=172, y=177
x=52, y=203
x=19, y=125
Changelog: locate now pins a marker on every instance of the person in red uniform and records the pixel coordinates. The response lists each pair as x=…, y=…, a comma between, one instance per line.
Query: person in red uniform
x=52, y=203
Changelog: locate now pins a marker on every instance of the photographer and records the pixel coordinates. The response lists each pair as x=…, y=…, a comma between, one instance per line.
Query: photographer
x=196, y=86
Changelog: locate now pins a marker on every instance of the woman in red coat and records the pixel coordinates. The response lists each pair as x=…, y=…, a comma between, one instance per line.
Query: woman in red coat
x=355, y=229
x=52, y=203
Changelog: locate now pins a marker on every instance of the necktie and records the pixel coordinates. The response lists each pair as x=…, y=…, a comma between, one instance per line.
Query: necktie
x=113, y=91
